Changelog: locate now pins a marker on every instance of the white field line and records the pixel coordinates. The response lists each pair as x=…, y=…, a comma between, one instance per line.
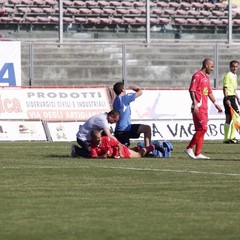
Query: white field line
x=128, y=169
x=172, y=170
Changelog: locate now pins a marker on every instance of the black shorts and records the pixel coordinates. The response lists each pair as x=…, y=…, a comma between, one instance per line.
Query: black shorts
x=233, y=101
x=124, y=136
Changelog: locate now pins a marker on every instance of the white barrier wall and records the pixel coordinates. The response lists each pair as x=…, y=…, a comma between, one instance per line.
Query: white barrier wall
x=53, y=104
x=22, y=131
x=62, y=110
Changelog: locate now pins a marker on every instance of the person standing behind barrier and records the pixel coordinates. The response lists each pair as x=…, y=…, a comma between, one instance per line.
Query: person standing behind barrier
x=124, y=129
x=100, y=122
x=230, y=98
x=200, y=91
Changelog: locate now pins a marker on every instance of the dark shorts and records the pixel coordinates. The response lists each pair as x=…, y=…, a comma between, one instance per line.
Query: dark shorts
x=124, y=136
x=83, y=151
x=233, y=101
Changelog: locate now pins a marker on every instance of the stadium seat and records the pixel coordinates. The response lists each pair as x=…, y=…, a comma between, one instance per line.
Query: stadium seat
x=14, y=2
x=169, y=12
x=180, y=21
x=18, y=19
x=31, y=19
x=68, y=3
x=154, y=20
x=129, y=20
x=68, y=20
x=140, y=20
x=186, y=5
x=2, y=11
x=117, y=20
x=79, y=3
x=208, y=5
x=115, y=3
x=205, y=13
x=127, y=4
x=84, y=11
x=181, y=12
x=38, y=2
x=51, y=2
x=109, y=11
x=197, y=5
x=164, y=20
x=93, y=20
x=162, y=4
x=216, y=21
x=174, y=5
x=143, y=10
x=27, y=2
x=122, y=11
x=236, y=22
x=139, y=4
x=218, y=13
x=192, y=21
x=157, y=11
x=6, y=19
x=152, y=4
x=54, y=19
x=106, y=20
x=43, y=19
x=97, y=11
x=2, y=2
x=91, y=3
x=220, y=5
x=36, y=10
x=72, y=11
x=80, y=20
x=24, y=10
x=193, y=13
x=9, y=10
x=103, y=3
x=204, y=21
x=49, y=10
x=135, y=11
x=224, y=21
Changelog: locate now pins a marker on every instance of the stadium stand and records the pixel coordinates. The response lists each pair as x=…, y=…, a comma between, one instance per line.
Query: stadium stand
x=20, y=14
x=90, y=63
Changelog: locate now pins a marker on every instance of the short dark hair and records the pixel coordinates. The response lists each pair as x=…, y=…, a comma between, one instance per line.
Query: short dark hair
x=233, y=62
x=118, y=87
x=114, y=113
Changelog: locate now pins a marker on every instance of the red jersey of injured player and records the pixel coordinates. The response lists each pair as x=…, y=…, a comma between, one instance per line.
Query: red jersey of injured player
x=103, y=147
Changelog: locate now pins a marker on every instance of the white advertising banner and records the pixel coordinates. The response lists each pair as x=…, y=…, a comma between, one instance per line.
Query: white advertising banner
x=58, y=104
x=182, y=129
x=173, y=130
x=22, y=131
x=169, y=104
x=63, y=131
x=10, y=63
x=64, y=109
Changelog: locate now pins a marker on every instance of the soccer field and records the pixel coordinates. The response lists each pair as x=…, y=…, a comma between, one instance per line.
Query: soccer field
x=47, y=195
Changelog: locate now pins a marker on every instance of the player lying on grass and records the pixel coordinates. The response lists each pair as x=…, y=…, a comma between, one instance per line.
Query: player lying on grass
x=106, y=147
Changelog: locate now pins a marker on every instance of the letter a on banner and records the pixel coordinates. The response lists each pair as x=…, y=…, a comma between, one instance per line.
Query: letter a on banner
x=10, y=63
x=7, y=75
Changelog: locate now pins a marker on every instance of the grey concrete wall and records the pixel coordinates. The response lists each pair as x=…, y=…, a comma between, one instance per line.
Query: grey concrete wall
x=97, y=63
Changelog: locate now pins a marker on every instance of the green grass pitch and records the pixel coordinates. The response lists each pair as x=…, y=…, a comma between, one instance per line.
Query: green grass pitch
x=45, y=194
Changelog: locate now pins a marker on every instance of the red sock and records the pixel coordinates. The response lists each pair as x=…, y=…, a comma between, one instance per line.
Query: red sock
x=198, y=134
x=199, y=144
x=150, y=148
